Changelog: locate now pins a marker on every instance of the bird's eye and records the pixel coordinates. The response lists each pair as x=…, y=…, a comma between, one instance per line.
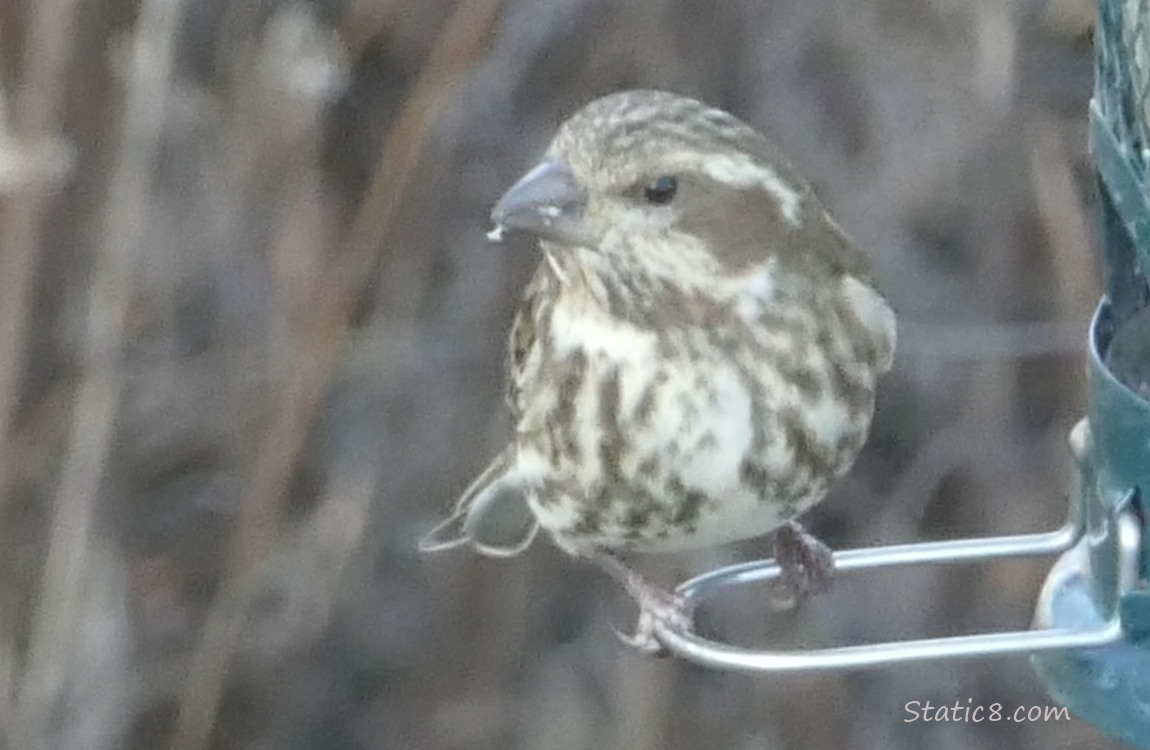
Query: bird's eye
x=661, y=191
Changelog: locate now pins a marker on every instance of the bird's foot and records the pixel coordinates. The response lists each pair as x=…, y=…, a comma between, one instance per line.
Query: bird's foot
x=807, y=564
x=656, y=606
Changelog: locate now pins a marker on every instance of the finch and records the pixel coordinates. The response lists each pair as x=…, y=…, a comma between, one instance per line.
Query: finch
x=695, y=359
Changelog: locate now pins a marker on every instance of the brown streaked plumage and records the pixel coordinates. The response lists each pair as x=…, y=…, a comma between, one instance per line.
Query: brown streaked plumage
x=695, y=359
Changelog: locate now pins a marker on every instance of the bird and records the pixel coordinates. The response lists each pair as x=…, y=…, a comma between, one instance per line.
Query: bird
x=694, y=361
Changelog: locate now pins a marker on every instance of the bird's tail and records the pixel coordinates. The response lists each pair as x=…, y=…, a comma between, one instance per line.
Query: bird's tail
x=492, y=515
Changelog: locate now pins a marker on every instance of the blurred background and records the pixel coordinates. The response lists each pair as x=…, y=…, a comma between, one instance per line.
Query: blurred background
x=251, y=342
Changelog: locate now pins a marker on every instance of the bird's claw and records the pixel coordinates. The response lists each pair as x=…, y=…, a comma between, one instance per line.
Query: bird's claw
x=656, y=606
x=643, y=639
x=807, y=565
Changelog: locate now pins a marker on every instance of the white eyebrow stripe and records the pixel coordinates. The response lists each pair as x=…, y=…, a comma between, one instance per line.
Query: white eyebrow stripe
x=740, y=171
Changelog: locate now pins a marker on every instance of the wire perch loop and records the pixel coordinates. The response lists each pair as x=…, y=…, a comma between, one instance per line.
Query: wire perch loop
x=709, y=653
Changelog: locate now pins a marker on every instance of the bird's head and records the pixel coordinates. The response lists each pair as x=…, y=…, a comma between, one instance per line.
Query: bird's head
x=660, y=181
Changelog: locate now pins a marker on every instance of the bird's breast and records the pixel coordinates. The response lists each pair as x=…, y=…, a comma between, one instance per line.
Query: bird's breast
x=686, y=436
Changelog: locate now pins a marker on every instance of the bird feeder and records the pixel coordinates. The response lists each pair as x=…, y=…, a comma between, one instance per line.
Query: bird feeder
x=1110, y=687
x=1090, y=640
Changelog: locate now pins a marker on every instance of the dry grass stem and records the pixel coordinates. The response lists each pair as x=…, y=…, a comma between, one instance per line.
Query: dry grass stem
x=97, y=400
x=31, y=122
x=321, y=341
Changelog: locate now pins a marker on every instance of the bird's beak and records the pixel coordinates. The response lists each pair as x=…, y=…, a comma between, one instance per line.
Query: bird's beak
x=547, y=202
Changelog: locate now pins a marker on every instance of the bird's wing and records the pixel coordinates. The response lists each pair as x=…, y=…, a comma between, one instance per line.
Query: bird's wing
x=492, y=515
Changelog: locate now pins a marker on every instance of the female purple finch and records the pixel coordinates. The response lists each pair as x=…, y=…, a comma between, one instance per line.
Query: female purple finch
x=695, y=359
